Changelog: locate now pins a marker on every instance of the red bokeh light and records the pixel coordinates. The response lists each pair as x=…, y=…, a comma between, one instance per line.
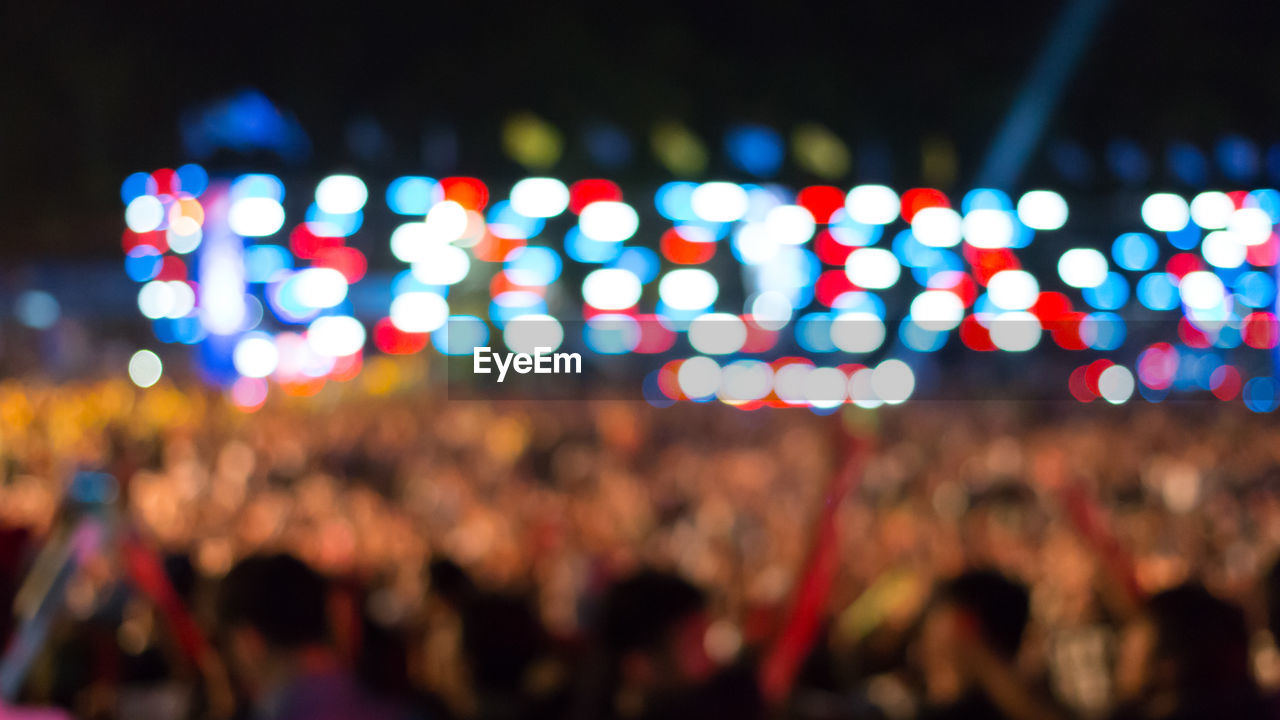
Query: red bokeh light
x=392, y=340
x=680, y=249
x=468, y=192
x=917, y=199
x=346, y=260
x=585, y=192
x=821, y=201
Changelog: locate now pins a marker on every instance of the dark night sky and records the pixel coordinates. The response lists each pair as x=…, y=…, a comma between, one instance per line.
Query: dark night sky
x=94, y=90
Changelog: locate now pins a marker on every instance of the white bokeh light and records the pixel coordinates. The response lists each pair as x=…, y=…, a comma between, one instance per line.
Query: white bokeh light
x=688, y=289
x=341, y=194
x=872, y=268
x=1115, y=384
x=872, y=204
x=937, y=310
x=790, y=224
x=988, y=228
x=608, y=221
x=1165, y=212
x=1015, y=331
x=419, y=312
x=335, y=335
x=1201, y=290
x=145, y=368
x=1250, y=225
x=611, y=289
x=255, y=217
x=699, y=377
x=255, y=355
x=1042, y=210
x=719, y=201
x=857, y=332
x=539, y=197
x=1212, y=210
x=717, y=333
x=893, y=381
x=1082, y=267
x=1013, y=289
x=937, y=227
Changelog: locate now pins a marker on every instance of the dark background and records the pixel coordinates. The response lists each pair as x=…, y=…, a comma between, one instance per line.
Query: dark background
x=93, y=91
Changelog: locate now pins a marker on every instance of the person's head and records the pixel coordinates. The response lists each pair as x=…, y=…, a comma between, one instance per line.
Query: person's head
x=1187, y=645
x=655, y=623
x=272, y=607
x=501, y=639
x=448, y=582
x=977, y=607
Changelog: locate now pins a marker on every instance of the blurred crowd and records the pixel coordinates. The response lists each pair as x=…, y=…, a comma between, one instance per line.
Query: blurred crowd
x=386, y=553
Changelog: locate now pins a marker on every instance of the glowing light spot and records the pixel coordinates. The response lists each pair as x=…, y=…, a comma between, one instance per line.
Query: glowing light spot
x=1015, y=331
x=937, y=310
x=442, y=265
x=611, y=289
x=790, y=224
x=446, y=222
x=857, y=332
x=717, y=333
x=460, y=335
x=825, y=387
x=531, y=141
x=335, y=335
x=936, y=227
x=410, y=241
x=719, y=201
x=255, y=356
x=872, y=268
x=893, y=382
x=1223, y=249
x=145, y=368
x=1013, y=289
x=1262, y=394
x=144, y=214
x=688, y=289
x=37, y=309
x=255, y=217
x=699, y=377
x=771, y=310
x=753, y=244
x=341, y=194
x=608, y=221
x=419, y=312
x=413, y=195
x=745, y=380
x=1115, y=384
x=1212, y=210
x=1110, y=294
x=872, y=204
x=155, y=299
x=1165, y=212
x=1042, y=210
x=1201, y=290
x=1250, y=225
x=1135, y=251
x=184, y=242
x=318, y=287
x=1082, y=267
x=528, y=333
x=988, y=228
x=861, y=391
x=540, y=197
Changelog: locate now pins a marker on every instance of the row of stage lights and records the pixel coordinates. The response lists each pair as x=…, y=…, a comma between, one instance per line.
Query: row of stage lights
x=219, y=266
